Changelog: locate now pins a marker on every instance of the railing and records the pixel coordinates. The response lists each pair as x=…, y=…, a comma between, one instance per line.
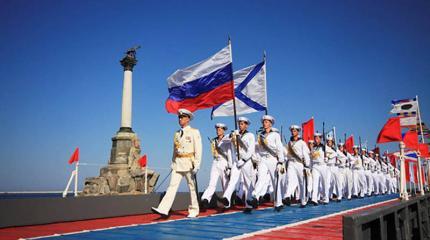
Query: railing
x=402, y=220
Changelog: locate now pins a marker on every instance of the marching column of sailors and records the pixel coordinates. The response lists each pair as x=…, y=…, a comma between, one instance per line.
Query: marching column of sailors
x=311, y=173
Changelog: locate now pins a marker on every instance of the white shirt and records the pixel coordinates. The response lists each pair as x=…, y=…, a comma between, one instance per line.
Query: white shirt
x=317, y=155
x=300, y=149
x=248, y=140
x=273, y=141
x=330, y=155
x=356, y=162
x=225, y=146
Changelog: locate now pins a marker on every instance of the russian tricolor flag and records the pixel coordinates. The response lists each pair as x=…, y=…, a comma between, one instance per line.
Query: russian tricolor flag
x=203, y=85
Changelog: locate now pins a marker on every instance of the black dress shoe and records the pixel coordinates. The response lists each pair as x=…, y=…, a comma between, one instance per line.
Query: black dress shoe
x=286, y=201
x=261, y=200
x=205, y=204
x=303, y=205
x=253, y=202
x=247, y=210
x=225, y=202
x=314, y=203
x=278, y=208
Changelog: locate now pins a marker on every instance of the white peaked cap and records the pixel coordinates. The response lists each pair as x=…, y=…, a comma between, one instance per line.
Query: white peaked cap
x=244, y=119
x=183, y=111
x=221, y=125
x=330, y=138
x=297, y=127
x=268, y=117
x=317, y=134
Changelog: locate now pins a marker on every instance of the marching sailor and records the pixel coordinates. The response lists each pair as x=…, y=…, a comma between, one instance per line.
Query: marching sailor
x=242, y=169
x=359, y=180
x=345, y=170
x=336, y=181
x=320, y=174
x=271, y=169
x=298, y=162
x=187, y=155
x=374, y=174
x=367, y=172
x=222, y=163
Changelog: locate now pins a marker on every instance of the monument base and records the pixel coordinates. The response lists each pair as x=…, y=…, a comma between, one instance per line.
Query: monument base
x=123, y=175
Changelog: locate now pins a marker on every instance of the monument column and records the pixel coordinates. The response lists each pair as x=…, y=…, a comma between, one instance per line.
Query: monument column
x=128, y=62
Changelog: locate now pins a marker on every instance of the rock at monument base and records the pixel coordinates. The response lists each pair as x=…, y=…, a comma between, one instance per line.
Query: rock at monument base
x=123, y=175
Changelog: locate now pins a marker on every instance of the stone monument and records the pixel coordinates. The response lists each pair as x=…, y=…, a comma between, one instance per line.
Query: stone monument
x=123, y=174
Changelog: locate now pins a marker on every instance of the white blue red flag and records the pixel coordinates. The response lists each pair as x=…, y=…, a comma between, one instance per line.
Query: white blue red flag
x=249, y=91
x=203, y=85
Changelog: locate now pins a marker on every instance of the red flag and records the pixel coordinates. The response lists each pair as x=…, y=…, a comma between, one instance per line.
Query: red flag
x=415, y=173
x=308, y=130
x=75, y=156
x=411, y=140
x=143, y=161
x=392, y=158
x=349, y=143
x=391, y=132
x=424, y=150
x=407, y=171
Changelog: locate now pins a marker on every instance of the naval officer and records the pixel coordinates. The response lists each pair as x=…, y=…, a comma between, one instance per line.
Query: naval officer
x=187, y=155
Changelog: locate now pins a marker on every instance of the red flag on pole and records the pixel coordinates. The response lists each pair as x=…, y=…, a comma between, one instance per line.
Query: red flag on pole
x=391, y=132
x=75, y=156
x=143, y=161
x=424, y=150
x=349, y=144
x=411, y=139
x=308, y=130
x=407, y=171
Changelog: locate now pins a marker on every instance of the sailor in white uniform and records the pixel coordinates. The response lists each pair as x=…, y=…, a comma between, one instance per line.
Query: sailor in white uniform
x=336, y=180
x=320, y=172
x=242, y=168
x=345, y=170
x=359, y=179
x=271, y=168
x=373, y=170
x=367, y=172
x=298, y=162
x=221, y=148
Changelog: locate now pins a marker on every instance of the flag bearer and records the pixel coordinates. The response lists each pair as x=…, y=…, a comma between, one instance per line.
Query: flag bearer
x=222, y=162
x=320, y=174
x=298, y=162
x=242, y=169
x=271, y=168
x=187, y=155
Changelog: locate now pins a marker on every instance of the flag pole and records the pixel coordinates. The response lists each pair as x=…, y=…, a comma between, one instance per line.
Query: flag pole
x=403, y=191
x=76, y=178
x=265, y=83
x=422, y=141
x=234, y=100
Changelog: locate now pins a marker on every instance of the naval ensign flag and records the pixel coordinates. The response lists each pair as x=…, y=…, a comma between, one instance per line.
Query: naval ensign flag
x=249, y=90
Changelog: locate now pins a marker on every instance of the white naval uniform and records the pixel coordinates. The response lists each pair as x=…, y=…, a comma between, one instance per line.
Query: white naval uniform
x=222, y=154
x=268, y=178
x=384, y=173
x=378, y=178
x=297, y=157
x=335, y=178
x=368, y=174
x=242, y=169
x=187, y=155
x=359, y=179
x=320, y=175
x=375, y=179
x=345, y=172
x=390, y=180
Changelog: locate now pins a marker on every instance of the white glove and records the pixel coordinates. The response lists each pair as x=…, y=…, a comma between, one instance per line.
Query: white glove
x=195, y=170
x=236, y=132
x=240, y=163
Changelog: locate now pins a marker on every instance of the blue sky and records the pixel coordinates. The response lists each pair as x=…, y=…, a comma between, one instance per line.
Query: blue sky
x=339, y=61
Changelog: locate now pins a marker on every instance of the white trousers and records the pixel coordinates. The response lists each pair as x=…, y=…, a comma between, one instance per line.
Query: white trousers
x=336, y=182
x=175, y=180
x=359, y=182
x=296, y=180
x=320, y=177
x=244, y=176
x=347, y=185
x=268, y=180
x=217, y=172
x=369, y=181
